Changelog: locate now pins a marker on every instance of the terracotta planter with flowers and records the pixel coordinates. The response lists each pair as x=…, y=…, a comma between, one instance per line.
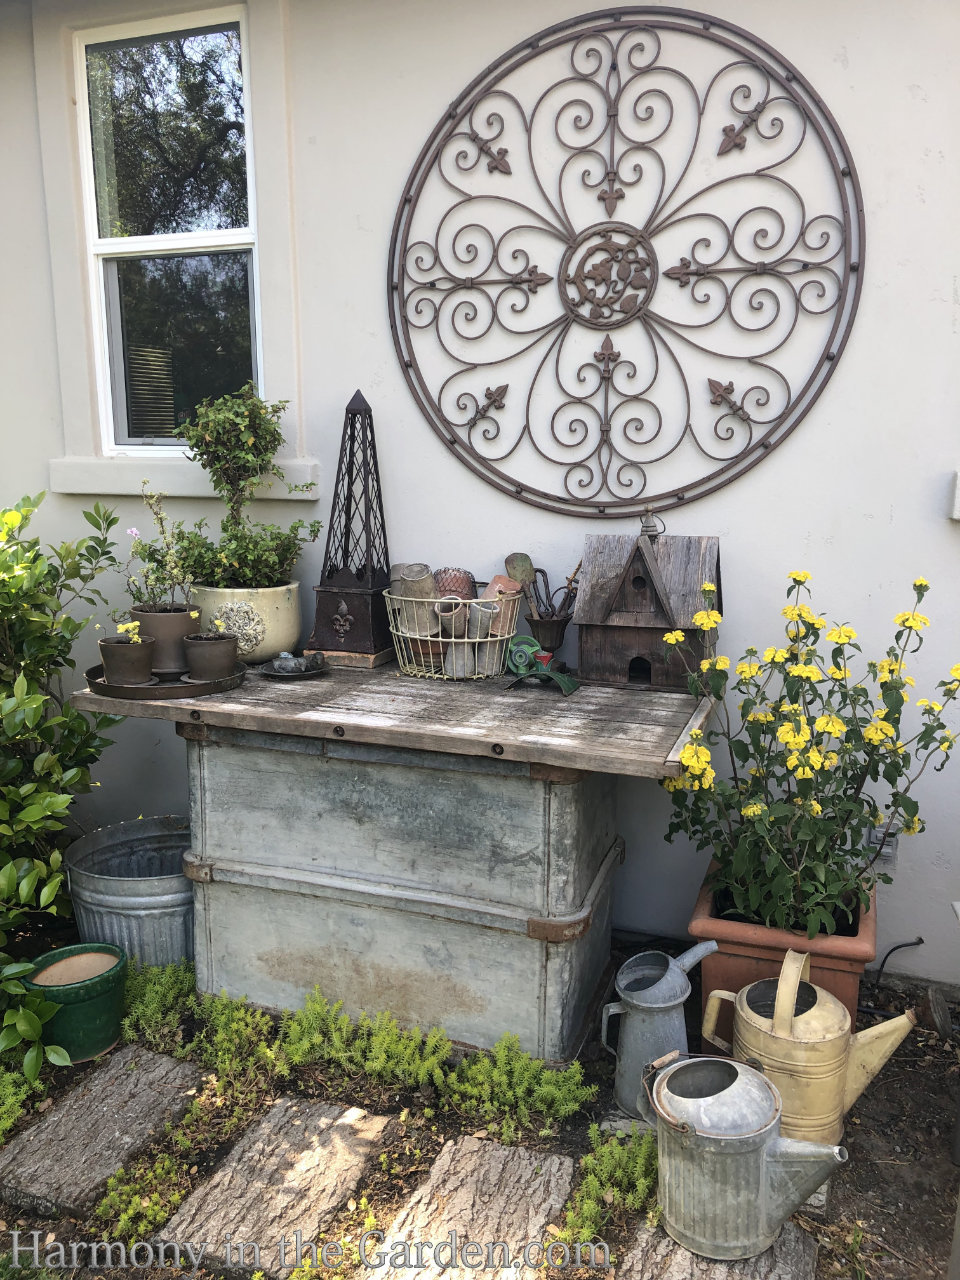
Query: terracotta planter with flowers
x=807, y=760
x=748, y=952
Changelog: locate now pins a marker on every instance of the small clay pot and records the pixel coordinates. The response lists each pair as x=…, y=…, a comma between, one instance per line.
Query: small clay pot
x=168, y=627
x=210, y=657
x=452, y=613
x=125, y=662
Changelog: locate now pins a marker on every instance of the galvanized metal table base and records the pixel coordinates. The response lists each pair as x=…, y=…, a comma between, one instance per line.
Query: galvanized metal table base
x=401, y=845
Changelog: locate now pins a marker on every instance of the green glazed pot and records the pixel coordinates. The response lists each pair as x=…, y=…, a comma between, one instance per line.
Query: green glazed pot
x=88, y=982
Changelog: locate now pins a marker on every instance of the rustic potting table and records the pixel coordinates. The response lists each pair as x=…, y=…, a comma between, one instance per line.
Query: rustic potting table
x=442, y=850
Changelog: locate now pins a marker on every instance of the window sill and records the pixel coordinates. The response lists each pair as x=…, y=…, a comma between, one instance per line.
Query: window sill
x=175, y=477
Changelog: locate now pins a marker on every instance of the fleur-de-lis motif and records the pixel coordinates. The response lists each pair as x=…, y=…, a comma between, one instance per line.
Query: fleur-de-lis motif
x=495, y=399
x=722, y=393
x=683, y=272
x=735, y=135
x=342, y=620
x=606, y=357
x=610, y=195
x=533, y=278
x=497, y=161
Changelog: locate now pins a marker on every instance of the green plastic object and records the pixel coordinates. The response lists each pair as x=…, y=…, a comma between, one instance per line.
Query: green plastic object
x=520, y=659
x=87, y=981
x=528, y=661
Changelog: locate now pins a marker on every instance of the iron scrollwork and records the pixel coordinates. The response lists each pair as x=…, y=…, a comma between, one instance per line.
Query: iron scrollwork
x=654, y=175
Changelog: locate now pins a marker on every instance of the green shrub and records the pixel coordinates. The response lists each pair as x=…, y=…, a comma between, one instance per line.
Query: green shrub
x=508, y=1088
x=46, y=745
x=138, y=1203
x=156, y=999
x=619, y=1177
x=234, y=1040
x=321, y=1032
x=14, y=1089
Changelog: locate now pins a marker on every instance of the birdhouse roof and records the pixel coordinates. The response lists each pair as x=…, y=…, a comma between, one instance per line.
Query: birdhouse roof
x=677, y=568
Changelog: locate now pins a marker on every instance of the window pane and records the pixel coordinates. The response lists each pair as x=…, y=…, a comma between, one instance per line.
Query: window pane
x=180, y=330
x=169, y=151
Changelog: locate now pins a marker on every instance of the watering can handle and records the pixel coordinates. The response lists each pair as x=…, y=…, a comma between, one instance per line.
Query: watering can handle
x=795, y=969
x=608, y=1009
x=710, y=1015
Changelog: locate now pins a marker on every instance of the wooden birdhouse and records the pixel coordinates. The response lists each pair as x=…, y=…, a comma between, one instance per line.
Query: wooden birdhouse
x=633, y=589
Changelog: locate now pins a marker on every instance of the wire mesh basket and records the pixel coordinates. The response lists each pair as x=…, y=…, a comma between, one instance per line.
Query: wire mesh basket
x=448, y=638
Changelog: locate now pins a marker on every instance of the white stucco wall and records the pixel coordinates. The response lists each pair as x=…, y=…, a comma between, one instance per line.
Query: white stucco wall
x=860, y=494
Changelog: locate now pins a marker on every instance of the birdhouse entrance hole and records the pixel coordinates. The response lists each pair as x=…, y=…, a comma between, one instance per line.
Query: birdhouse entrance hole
x=638, y=582
x=639, y=671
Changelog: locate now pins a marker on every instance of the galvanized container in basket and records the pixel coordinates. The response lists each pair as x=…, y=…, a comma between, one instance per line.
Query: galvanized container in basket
x=448, y=638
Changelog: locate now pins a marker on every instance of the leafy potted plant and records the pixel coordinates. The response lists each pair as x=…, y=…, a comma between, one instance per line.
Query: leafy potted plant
x=156, y=575
x=814, y=760
x=47, y=746
x=250, y=567
x=212, y=654
x=127, y=657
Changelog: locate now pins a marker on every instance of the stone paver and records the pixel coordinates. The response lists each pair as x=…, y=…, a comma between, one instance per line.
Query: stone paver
x=654, y=1256
x=483, y=1192
x=291, y=1171
x=61, y=1163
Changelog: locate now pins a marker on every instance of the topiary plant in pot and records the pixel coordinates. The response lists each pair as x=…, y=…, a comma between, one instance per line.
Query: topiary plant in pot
x=235, y=440
x=815, y=770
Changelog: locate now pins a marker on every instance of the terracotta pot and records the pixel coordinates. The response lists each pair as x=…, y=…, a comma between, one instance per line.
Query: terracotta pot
x=749, y=952
x=125, y=662
x=452, y=612
x=210, y=657
x=168, y=627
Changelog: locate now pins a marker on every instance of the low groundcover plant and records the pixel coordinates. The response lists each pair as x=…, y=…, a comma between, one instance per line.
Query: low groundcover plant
x=815, y=758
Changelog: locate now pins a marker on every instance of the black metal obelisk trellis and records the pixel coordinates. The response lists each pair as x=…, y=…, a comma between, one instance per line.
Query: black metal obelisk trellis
x=350, y=626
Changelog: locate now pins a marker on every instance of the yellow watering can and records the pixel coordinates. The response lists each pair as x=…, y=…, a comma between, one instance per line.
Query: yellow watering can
x=800, y=1036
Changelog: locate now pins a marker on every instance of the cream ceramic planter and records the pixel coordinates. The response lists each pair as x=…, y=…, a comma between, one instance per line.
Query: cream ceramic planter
x=266, y=620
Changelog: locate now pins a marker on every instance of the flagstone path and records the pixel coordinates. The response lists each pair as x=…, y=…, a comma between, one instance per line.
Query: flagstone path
x=292, y=1170
x=298, y=1165
x=61, y=1164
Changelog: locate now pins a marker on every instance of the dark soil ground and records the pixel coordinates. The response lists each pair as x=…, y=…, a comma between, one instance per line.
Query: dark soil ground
x=892, y=1207
x=891, y=1210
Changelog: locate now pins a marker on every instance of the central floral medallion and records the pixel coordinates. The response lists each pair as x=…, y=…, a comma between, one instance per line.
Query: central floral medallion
x=608, y=276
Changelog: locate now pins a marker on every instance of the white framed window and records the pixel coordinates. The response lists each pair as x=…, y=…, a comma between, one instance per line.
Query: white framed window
x=169, y=220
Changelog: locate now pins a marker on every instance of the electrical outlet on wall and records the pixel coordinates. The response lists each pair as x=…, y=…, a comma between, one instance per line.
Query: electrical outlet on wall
x=955, y=497
x=888, y=859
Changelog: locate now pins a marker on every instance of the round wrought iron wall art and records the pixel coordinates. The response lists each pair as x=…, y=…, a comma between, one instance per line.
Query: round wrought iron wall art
x=626, y=261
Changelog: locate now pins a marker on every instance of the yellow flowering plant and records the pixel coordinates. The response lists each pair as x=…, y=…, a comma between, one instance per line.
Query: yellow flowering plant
x=814, y=762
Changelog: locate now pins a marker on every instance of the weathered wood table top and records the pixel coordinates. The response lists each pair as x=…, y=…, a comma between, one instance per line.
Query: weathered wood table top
x=635, y=732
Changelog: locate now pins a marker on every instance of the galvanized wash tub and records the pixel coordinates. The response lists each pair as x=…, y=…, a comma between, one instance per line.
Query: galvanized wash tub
x=128, y=888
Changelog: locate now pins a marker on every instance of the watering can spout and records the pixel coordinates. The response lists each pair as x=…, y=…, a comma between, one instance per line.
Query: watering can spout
x=870, y=1049
x=693, y=957
x=795, y=1170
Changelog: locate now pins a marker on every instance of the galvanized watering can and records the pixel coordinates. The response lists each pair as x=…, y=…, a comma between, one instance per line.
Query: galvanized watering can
x=800, y=1035
x=652, y=988
x=728, y=1180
